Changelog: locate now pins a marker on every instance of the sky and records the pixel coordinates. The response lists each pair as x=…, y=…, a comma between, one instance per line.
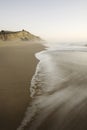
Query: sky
x=59, y=20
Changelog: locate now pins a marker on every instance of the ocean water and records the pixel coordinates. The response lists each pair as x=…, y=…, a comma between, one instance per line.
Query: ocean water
x=58, y=89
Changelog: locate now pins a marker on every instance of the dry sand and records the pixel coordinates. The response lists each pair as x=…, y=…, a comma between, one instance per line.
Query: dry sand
x=17, y=66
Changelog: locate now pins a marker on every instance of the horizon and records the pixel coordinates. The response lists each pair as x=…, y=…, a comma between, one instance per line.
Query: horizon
x=54, y=20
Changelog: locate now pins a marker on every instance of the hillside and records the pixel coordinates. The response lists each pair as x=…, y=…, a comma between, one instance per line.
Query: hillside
x=18, y=35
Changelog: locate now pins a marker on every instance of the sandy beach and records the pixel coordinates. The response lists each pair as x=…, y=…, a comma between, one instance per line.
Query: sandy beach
x=59, y=82
x=17, y=66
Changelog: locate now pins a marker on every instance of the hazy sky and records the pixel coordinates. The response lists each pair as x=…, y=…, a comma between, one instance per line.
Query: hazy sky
x=51, y=19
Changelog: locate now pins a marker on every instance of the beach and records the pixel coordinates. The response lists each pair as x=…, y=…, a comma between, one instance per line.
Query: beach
x=46, y=90
x=17, y=66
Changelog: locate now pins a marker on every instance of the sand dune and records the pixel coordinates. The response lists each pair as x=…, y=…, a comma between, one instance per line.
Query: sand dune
x=18, y=35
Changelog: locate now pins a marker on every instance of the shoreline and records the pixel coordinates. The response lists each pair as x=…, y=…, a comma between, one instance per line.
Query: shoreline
x=65, y=104
x=18, y=64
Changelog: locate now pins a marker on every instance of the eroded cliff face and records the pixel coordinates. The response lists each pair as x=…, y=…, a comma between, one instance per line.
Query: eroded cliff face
x=19, y=35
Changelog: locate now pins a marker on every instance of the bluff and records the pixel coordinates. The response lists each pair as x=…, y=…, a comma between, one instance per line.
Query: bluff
x=18, y=35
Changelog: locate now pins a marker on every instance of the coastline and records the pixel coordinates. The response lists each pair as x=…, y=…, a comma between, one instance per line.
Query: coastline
x=17, y=67
x=62, y=101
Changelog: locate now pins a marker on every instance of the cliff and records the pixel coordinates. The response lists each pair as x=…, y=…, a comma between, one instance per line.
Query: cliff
x=18, y=35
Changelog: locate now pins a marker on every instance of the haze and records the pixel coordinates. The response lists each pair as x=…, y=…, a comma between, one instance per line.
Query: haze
x=59, y=20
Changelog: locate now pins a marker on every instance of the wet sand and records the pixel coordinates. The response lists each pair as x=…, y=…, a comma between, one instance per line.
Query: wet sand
x=17, y=66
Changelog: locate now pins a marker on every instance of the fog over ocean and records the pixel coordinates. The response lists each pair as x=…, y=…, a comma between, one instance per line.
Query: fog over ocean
x=58, y=89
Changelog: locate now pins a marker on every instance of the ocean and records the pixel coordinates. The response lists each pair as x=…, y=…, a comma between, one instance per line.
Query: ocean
x=58, y=89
